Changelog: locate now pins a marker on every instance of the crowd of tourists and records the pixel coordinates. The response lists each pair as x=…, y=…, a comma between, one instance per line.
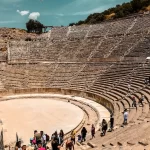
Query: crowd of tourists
x=57, y=140
x=40, y=140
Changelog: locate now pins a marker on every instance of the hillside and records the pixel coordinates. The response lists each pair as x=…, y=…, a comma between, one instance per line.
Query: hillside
x=7, y=34
x=124, y=10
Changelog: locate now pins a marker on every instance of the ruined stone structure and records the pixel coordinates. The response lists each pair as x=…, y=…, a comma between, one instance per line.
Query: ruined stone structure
x=94, y=61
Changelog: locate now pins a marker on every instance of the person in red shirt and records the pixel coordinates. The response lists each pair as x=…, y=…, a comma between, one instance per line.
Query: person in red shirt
x=40, y=147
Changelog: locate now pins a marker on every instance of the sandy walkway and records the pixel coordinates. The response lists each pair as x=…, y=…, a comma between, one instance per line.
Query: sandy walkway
x=25, y=115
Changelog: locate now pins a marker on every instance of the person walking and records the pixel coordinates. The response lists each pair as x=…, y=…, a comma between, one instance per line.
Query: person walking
x=93, y=131
x=111, y=122
x=104, y=127
x=61, y=136
x=43, y=139
x=125, y=117
x=69, y=145
x=37, y=137
x=52, y=136
x=134, y=103
x=73, y=136
x=55, y=143
x=141, y=99
x=79, y=138
x=18, y=145
x=83, y=134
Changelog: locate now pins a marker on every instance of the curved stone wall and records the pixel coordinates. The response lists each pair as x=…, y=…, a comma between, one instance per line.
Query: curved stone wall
x=98, y=98
x=83, y=101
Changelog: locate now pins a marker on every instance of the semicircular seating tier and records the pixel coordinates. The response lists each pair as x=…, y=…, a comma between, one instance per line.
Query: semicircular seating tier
x=96, y=61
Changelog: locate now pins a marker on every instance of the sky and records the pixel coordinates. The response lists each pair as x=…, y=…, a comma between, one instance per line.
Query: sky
x=15, y=13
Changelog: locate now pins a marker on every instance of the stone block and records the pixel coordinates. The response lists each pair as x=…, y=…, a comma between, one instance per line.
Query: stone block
x=91, y=144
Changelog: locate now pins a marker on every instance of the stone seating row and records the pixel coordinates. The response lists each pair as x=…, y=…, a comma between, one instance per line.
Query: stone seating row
x=88, y=47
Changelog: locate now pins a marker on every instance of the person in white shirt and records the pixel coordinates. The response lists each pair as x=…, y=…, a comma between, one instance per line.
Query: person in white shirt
x=125, y=115
x=43, y=139
x=129, y=86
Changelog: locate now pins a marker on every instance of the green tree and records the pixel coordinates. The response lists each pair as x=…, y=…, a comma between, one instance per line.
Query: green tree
x=80, y=22
x=119, y=14
x=34, y=26
x=72, y=24
x=136, y=5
